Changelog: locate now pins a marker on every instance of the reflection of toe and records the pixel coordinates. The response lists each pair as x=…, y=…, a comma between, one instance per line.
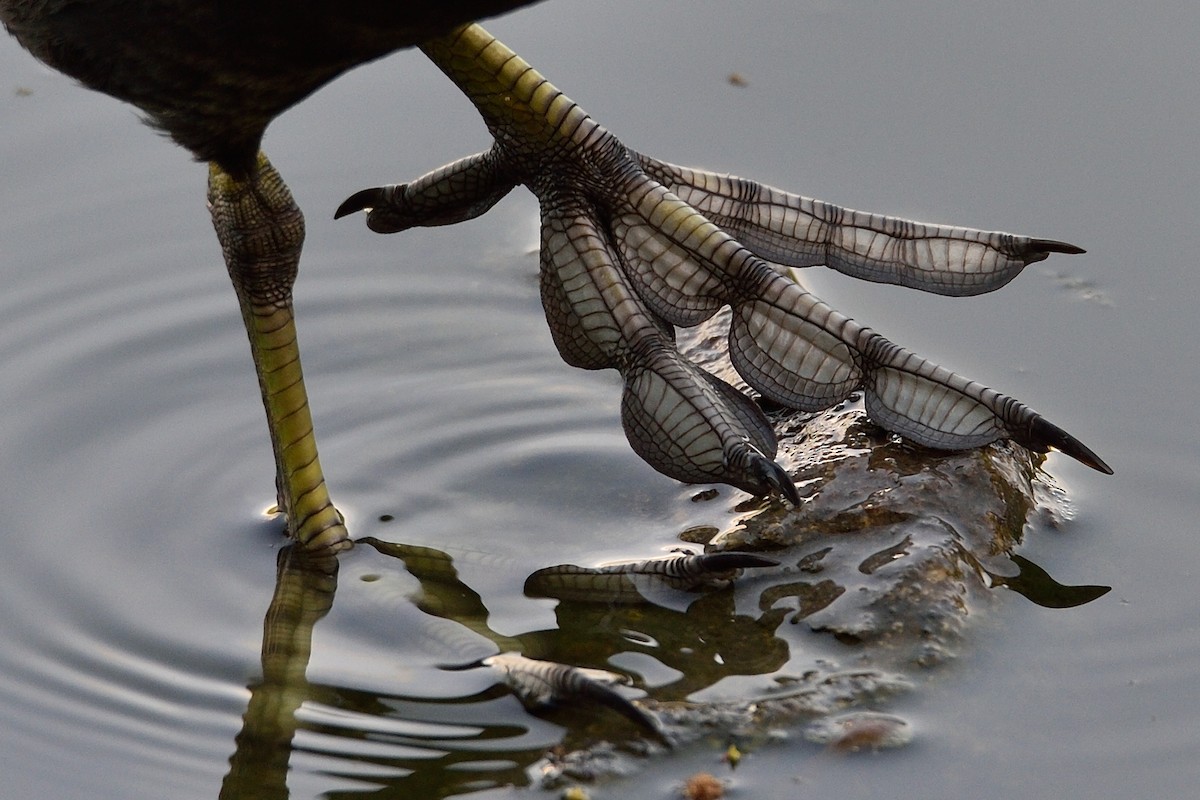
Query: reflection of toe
x=539, y=683
x=619, y=583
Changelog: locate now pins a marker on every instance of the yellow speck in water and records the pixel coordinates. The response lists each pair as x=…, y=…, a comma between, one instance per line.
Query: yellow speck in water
x=370, y=577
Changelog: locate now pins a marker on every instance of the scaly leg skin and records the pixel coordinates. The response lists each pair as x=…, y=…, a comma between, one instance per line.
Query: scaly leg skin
x=632, y=247
x=261, y=231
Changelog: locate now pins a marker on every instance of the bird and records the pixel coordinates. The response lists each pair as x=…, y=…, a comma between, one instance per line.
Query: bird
x=631, y=247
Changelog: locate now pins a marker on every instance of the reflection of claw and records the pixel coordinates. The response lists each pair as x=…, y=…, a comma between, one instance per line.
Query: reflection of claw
x=541, y=683
x=1036, y=585
x=632, y=247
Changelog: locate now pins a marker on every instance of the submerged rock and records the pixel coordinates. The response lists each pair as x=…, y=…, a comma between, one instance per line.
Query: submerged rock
x=806, y=618
x=893, y=541
x=893, y=550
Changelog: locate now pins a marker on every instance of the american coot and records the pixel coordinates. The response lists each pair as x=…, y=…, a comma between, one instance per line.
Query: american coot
x=631, y=246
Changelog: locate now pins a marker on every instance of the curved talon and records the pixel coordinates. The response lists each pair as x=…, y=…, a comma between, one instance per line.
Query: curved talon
x=772, y=478
x=363, y=200
x=1040, y=249
x=469, y=665
x=457, y=192
x=1043, y=435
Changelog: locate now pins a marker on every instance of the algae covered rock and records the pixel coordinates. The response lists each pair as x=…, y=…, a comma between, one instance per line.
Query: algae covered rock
x=881, y=568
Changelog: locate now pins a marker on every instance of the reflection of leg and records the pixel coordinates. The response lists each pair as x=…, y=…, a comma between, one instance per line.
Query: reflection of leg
x=537, y=682
x=304, y=589
x=261, y=231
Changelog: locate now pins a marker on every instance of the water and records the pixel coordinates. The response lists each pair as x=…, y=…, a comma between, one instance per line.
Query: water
x=135, y=467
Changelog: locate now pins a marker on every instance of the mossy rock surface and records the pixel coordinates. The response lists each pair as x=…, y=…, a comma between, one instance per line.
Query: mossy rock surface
x=895, y=550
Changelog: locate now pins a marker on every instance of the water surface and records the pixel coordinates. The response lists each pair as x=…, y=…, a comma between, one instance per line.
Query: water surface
x=135, y=467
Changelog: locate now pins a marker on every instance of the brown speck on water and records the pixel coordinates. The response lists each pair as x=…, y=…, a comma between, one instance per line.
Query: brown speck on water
x=23, y=91
x=860, y=731
x=698, y=534
x=703, y=786
x=737, y=79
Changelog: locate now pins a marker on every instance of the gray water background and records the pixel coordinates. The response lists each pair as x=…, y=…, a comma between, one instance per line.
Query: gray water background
x=134, y=466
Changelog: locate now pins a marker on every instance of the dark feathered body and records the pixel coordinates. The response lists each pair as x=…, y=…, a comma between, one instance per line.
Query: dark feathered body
x=214, y=73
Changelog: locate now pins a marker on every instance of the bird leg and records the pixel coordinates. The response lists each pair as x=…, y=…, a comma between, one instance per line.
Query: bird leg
x=261, y=231
x=633, y=246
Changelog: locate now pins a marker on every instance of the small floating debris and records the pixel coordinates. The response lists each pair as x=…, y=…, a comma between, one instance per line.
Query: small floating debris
x=703, y=786
x=860, y=730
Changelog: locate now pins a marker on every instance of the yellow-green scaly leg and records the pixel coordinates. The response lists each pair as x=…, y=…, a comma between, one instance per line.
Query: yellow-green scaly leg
x=261, y=231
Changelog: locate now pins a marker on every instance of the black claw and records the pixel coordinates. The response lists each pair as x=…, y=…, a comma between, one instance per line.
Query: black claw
x=359, y=201
x=476, y=664
x=782, y=482
x=1040, y=249
x=769, y=476
x=1045, y=435
x=1054, y=246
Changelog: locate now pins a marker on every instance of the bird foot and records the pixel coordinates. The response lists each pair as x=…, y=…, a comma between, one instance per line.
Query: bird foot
x=632, y=247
